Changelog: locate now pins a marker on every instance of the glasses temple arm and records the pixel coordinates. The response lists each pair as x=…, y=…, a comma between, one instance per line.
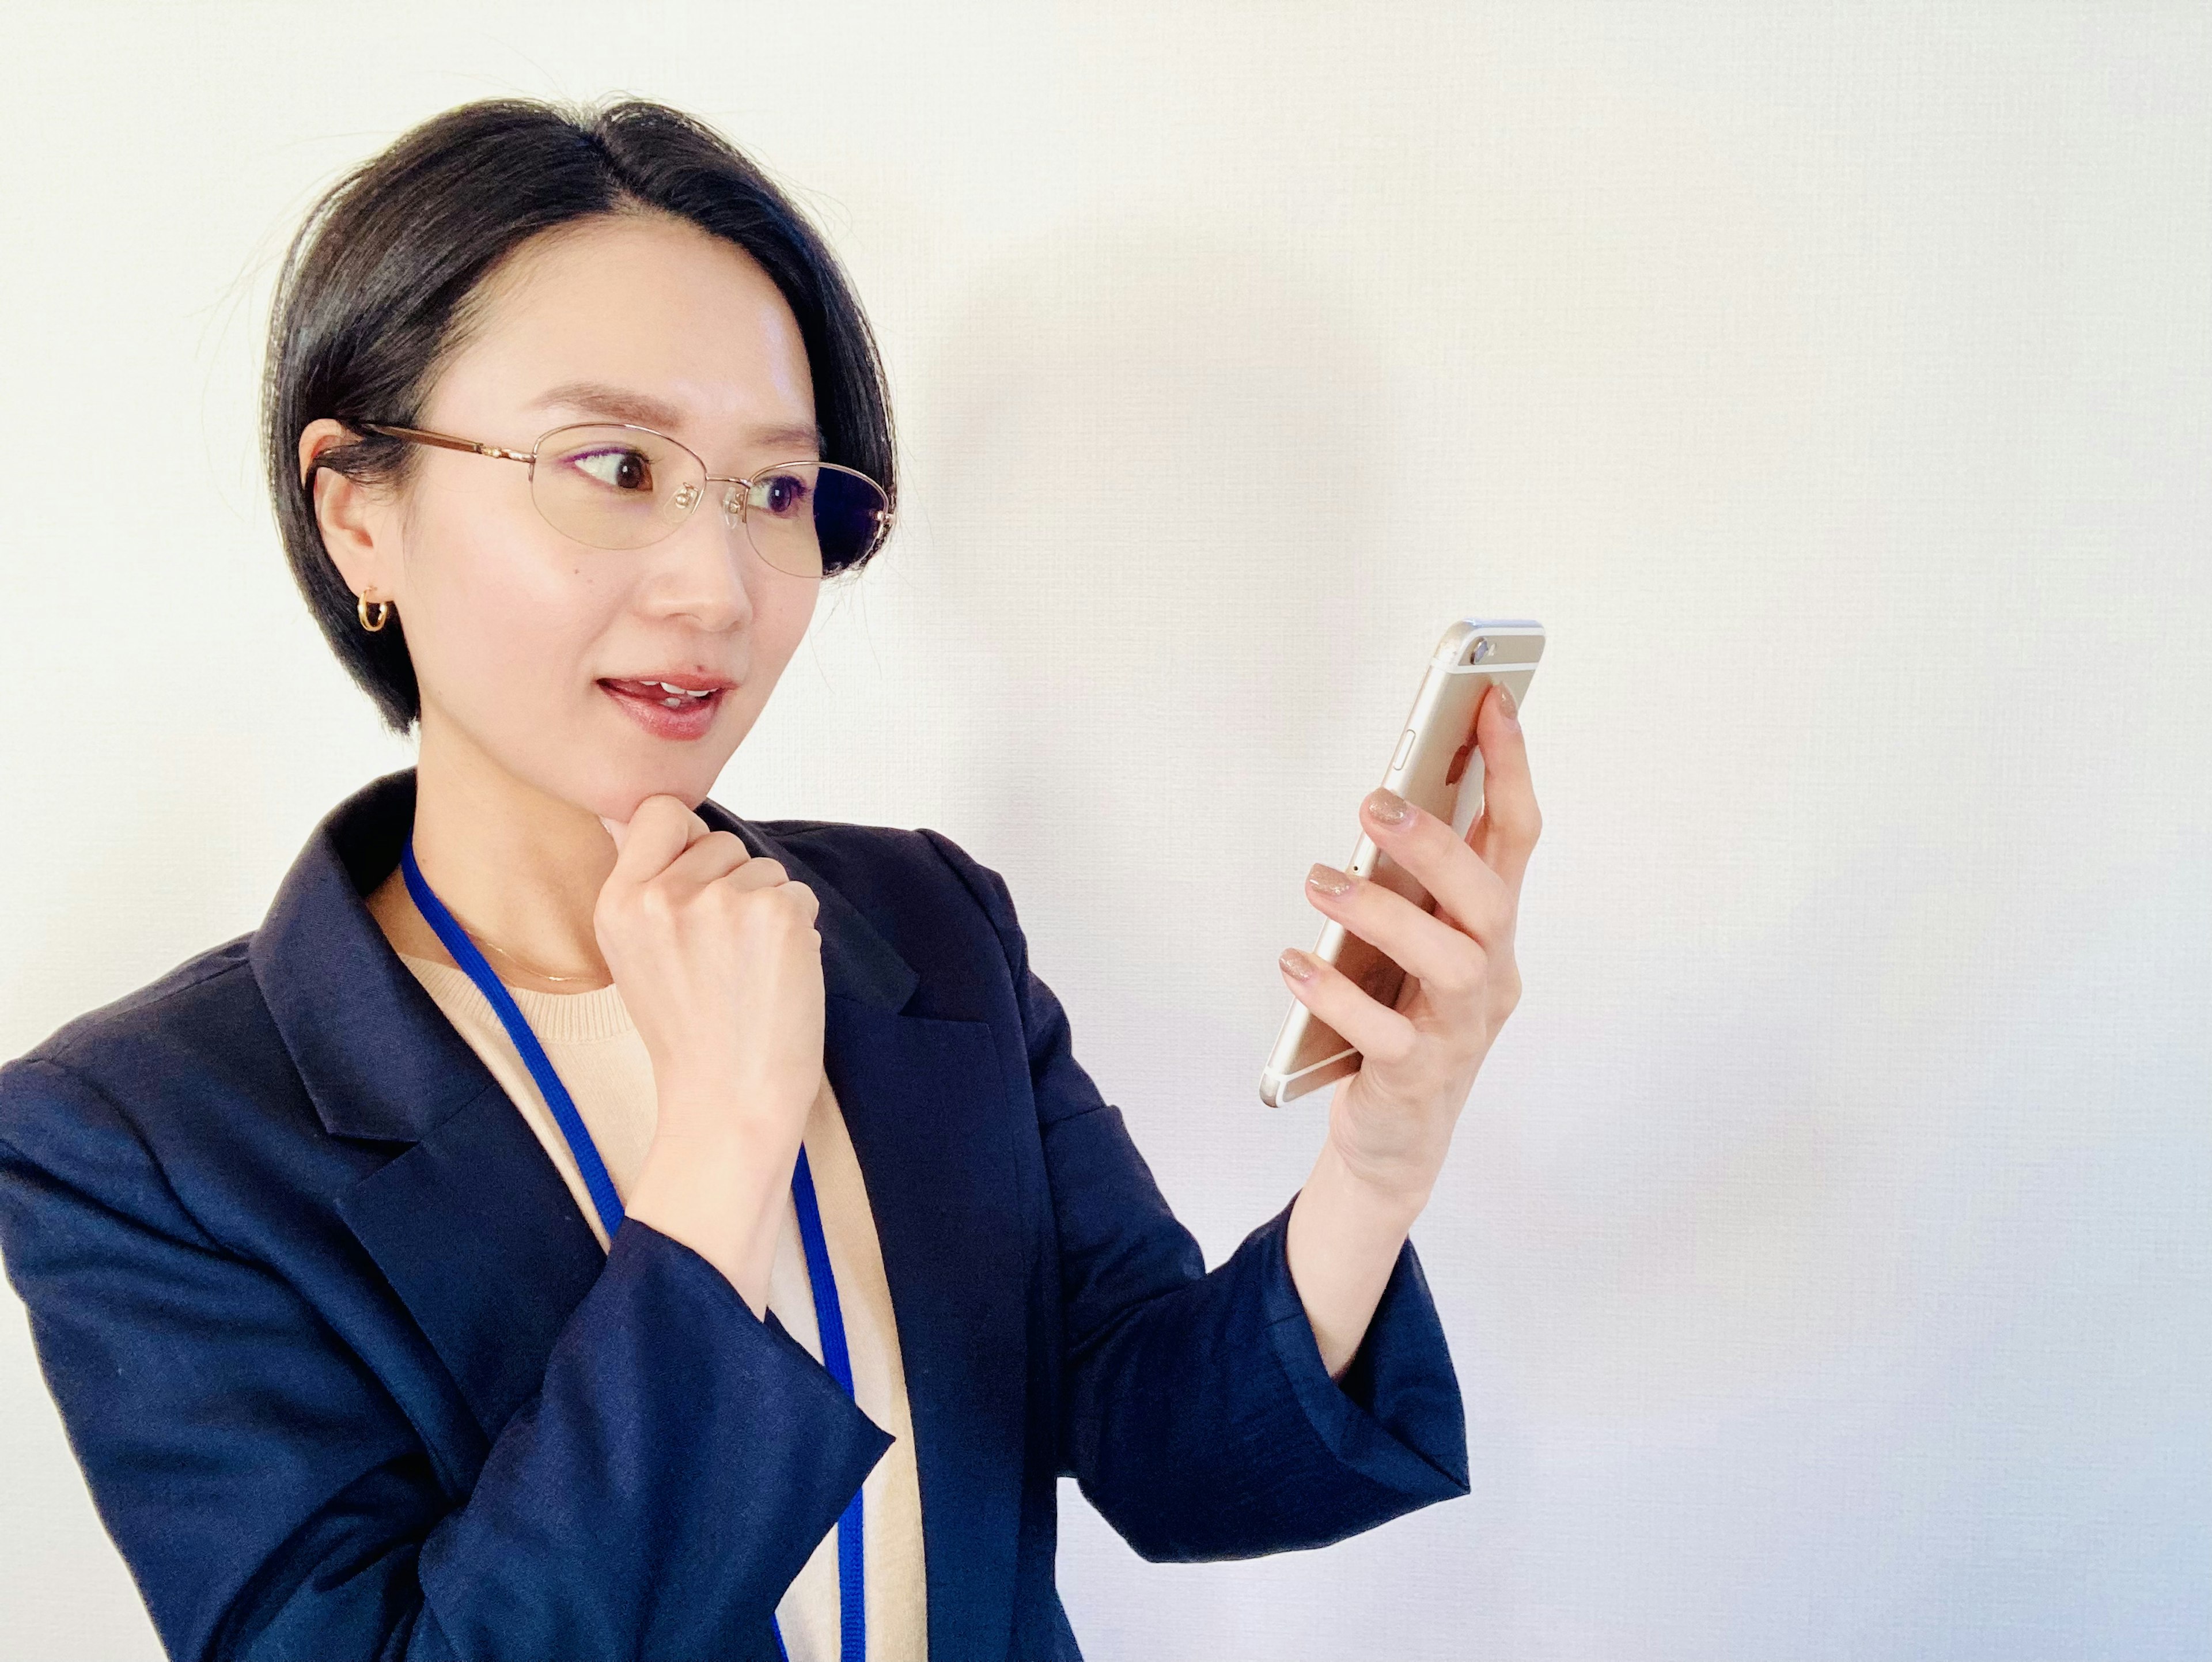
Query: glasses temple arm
x=446, y=441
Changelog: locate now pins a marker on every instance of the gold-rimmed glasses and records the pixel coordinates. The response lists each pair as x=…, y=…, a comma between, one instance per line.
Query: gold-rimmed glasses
x=616, y=484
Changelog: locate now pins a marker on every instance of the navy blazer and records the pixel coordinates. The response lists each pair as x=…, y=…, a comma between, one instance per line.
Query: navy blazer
x=349, y=1375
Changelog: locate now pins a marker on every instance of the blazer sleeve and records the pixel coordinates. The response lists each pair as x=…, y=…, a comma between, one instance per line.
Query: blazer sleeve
x=653, y=1500
x=1197, y=1414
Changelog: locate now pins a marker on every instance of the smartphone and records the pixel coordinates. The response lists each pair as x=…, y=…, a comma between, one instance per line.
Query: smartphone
x=1435, y=765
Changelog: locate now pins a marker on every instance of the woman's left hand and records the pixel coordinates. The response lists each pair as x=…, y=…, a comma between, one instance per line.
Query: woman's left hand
x=1391, y=1123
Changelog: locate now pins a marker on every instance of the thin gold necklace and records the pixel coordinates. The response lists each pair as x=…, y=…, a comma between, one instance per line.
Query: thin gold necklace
x=485, y=940
x=525, y=963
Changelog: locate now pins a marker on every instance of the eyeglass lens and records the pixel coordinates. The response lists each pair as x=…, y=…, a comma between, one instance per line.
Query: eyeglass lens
x=620, y=487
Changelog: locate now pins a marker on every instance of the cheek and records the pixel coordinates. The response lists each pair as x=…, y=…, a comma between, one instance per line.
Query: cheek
x=503, y=623
x=780, y=614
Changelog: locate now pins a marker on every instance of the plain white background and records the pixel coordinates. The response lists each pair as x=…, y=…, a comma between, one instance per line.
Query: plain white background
x=1825, y=1250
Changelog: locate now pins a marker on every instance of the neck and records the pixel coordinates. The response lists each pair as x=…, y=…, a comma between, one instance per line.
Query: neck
x=512, y=864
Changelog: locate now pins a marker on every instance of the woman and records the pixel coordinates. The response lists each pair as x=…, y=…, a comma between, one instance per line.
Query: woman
x=579, y=1222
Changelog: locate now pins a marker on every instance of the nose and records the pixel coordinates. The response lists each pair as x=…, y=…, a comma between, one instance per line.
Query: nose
x=701, y=572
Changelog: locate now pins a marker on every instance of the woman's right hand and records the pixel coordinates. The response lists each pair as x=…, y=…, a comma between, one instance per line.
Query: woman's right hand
x=720, y=969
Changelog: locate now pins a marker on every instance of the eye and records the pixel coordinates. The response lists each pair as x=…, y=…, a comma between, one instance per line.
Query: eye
x=783, y=495
x=618, y=468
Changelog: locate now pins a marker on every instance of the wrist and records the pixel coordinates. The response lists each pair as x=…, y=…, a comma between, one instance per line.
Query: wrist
x=744, y=1168
x=720, y=1193
x=1343, y=1242
x=718, y=1110
x=1394, y=1191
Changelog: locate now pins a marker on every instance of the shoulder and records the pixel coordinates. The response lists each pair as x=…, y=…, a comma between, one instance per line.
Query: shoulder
x=99, y=1089
x=202, y=1007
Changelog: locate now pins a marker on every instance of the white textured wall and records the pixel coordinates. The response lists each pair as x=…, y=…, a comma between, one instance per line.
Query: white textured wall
x=1826, y=1251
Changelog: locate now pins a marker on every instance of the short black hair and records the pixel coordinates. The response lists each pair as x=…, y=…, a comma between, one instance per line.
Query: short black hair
x=375, y=297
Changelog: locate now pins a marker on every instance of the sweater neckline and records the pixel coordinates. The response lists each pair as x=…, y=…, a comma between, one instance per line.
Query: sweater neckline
x=556, y=1018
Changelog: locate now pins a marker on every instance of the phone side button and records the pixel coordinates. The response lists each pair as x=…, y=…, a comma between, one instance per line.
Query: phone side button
x=1405, y=749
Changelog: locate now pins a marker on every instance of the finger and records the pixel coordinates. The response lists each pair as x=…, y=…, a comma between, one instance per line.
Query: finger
x=1377, y=1033
x=1504, y=834
x=1467, y=891
x=1450, y=964
x=617, y=829
x=708, y=859
x=758, y=873
x=804, y=898
x=660, y=828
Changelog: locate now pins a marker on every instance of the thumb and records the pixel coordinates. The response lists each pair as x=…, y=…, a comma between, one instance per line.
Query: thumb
x=617, y=829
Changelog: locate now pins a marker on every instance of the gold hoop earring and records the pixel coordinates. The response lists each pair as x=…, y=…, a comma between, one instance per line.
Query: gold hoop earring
x=383, y=613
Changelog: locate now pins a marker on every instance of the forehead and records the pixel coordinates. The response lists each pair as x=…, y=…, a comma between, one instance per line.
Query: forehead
x=640, y=317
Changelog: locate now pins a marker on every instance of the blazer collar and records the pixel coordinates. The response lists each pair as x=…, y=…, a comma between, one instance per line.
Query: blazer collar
x=338, y=993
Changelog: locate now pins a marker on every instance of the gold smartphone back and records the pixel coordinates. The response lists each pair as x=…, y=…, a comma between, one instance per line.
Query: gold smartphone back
x=1434, y=765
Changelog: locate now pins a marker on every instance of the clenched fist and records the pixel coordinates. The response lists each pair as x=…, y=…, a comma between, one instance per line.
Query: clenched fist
x=720, y=968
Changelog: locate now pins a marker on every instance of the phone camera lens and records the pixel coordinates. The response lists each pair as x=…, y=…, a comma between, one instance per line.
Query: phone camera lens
x=1482, y=649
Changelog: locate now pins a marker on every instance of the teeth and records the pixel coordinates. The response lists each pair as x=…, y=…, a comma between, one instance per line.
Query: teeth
x=670, y=686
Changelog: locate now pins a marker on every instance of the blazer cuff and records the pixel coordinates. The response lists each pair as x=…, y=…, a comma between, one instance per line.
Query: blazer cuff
x=669, y=1288
x=1396, y=1417
x=675, y=1471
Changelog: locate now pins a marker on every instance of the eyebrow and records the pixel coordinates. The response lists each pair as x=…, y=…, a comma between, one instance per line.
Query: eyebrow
x=594, y=397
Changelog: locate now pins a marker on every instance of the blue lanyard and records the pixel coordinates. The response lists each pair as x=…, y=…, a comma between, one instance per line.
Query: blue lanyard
x=829, y=1316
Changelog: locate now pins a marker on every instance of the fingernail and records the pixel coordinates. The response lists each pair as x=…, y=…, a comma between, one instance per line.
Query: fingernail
x=1385, y=806
x=1328, y=879
x=1296, y=965
x=1505, y=704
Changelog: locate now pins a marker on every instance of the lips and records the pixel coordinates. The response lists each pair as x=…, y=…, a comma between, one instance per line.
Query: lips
x=668, y=689
x=675, y=705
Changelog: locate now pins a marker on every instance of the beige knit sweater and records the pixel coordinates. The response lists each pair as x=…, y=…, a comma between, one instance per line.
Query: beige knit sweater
x=600, y=1058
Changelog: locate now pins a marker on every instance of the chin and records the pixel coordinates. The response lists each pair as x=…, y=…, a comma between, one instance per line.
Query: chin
x=586, y=765
x=615, y=790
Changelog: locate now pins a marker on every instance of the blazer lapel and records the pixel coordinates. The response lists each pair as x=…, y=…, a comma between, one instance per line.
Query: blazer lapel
x=469, y=1223
x=482, y=1242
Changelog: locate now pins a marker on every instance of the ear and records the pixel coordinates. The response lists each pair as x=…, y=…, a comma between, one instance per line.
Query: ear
x=359, y=524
